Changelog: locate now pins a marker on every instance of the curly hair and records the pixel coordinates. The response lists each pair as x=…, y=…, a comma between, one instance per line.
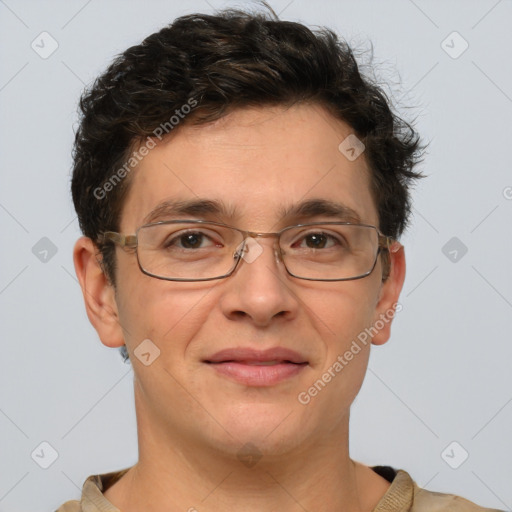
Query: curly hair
x=206, y=66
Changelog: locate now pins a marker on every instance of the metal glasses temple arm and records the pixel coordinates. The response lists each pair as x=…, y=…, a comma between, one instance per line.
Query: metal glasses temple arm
x=119, y=239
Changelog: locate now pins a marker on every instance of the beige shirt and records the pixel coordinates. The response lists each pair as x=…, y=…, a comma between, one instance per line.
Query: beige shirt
x=403, y=495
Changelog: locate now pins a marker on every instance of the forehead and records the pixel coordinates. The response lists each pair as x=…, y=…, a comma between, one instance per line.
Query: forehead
x=260, y=168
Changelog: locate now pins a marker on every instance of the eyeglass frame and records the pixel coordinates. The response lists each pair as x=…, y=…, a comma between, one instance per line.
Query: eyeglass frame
x=385, y=243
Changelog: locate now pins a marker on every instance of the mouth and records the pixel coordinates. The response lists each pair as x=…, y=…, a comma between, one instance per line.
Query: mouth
x=257, y=368
x=257, y=363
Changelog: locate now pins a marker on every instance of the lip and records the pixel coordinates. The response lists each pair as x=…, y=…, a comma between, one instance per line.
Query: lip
x=247, y=367
x=252, y=355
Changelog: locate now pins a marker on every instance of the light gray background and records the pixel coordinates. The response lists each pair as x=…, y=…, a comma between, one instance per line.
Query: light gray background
x=445, y=375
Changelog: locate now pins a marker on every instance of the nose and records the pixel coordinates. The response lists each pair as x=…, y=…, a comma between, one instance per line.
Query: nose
x=260, y=289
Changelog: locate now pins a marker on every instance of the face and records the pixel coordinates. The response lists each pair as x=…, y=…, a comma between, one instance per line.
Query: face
x=256, y=163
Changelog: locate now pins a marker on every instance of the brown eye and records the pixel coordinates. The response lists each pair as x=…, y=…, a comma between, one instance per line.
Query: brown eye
x=316, y=241
x=189, y=240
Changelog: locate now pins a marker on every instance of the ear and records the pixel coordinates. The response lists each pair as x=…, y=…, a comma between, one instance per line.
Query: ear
x=387, y=304
x=98, y=293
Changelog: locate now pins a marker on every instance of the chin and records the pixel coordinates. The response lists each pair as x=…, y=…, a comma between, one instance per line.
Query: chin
x=272, y=429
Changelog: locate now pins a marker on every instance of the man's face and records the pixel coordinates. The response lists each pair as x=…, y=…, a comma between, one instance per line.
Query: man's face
x=255, y=162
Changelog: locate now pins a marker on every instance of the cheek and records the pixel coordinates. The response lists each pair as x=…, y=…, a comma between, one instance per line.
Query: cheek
x=167, y=313
x=341, y=319
x=342, y=313
x=338, y=376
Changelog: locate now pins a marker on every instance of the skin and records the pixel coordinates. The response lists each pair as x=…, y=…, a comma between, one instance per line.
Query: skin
x=192, y=422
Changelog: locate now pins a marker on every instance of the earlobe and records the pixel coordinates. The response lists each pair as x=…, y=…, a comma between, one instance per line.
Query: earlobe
x=98, y=293
x=388, y=303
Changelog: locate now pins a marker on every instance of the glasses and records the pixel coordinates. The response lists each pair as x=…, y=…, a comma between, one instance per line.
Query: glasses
x=196, y=250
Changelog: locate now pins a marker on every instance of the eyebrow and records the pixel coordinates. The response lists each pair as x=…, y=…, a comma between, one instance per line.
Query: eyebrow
x=208, y=207
x=190, y=207
x=317, y=207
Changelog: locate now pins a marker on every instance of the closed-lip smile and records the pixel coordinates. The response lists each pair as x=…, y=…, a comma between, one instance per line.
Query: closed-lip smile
x=253, y=367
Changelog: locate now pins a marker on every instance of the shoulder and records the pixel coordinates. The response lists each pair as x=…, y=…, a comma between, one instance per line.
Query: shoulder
x=92, y=498
x=430, y=501
x=404, y=495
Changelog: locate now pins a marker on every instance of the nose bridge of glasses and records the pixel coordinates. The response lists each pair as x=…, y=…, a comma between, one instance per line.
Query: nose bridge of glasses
x=251, y=248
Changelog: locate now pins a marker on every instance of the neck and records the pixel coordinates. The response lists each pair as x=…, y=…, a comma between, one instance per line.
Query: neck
x=175, y=472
